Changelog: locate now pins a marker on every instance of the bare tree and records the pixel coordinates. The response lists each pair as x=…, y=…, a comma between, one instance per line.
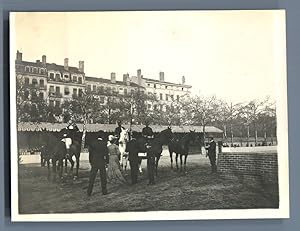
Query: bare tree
x=251, y=112
x=228, y=113
x=268, y=120
x=81, y=108
x=203, y=111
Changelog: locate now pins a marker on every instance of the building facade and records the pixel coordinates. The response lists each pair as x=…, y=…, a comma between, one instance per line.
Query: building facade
x=56, y=83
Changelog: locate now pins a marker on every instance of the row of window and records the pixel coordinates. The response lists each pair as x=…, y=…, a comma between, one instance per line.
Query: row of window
x=35, y=70
x=160, y=107
x=164, y=86
x=56, y=91
x=33, y=95
x=54, y=103
x=102, y=89
x=58, y=77
x=168, y=97
x=34, y=82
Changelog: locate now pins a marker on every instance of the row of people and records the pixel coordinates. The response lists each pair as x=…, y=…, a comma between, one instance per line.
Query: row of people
x=147, y=131
x=104, y=157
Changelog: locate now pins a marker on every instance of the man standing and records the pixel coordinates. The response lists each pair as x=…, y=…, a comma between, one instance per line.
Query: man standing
x=133, y=149
x=98, y=157
x=211, y=153
x=150, y=165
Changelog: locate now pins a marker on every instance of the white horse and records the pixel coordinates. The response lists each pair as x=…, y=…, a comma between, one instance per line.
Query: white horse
x=124, y=138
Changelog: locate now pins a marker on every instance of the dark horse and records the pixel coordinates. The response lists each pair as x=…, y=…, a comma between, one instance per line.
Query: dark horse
x=181, y=147
x=154, y=146
x=55, y=150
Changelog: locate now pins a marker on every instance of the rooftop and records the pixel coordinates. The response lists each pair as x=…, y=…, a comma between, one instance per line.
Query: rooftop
x=50, y=66
x=61, y=68
x=55, y=127
x=103, y=80
x=169, y=83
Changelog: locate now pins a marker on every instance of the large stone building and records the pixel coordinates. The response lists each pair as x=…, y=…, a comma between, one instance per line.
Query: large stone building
x=56, y=83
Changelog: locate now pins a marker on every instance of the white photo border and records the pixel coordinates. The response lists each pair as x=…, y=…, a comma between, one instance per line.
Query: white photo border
x=282, y=136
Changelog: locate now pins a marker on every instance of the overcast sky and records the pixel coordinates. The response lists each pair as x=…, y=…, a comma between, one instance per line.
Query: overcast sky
x=234, y=55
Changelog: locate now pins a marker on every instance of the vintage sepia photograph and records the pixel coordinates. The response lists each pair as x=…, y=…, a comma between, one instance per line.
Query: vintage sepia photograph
x=148, y=115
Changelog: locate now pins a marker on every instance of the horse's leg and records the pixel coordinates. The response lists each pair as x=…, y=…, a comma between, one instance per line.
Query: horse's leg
x=42, y=160
x=156, y=163
x=54, y=169
x=72, y=164
x=126, y=160
x=49, y=170
x=185, y=157
x=140, y=165
x=60, y=163
x=180, y=163
x=77, y=165
x=66, y=164
x=171, y=157
x=177, y=161
x=121, y=156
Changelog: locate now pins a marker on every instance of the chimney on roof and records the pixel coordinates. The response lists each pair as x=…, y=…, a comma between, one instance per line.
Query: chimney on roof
x=81, y=66
x=113, y=77
x=161, y=76
x=19, y=56
x=66, y=64
x=126, y=79
x=139, y=73
x=183, y=80
x=139, y=76
x=38, y=61
x=44, y=60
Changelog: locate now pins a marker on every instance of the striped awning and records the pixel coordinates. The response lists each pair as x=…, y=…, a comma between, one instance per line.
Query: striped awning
x=56, y=127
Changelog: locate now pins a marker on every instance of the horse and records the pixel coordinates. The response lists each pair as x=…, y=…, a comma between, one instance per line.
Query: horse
x=75, y=149
x=124, y=138
x=181, y=147
x=154, y=147
x=54, y=149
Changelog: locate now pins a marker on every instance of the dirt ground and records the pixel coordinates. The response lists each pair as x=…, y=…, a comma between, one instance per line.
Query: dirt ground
x=197, y=189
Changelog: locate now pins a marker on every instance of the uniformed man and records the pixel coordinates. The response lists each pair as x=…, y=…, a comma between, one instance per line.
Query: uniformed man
x=98, y=158
x=211, y=153
x=150, y=166
x=133, y=149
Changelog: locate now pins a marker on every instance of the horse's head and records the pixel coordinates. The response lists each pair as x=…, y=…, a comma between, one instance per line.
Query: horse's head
x=124, y=135
x=192, y=135
x=166, y=135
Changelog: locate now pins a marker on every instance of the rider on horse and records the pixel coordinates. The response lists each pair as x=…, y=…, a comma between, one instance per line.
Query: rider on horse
x=118, y=130
x=69, y=134
x=147, y=132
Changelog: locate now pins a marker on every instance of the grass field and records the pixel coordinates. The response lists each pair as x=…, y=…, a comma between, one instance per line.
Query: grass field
x=197, y=189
